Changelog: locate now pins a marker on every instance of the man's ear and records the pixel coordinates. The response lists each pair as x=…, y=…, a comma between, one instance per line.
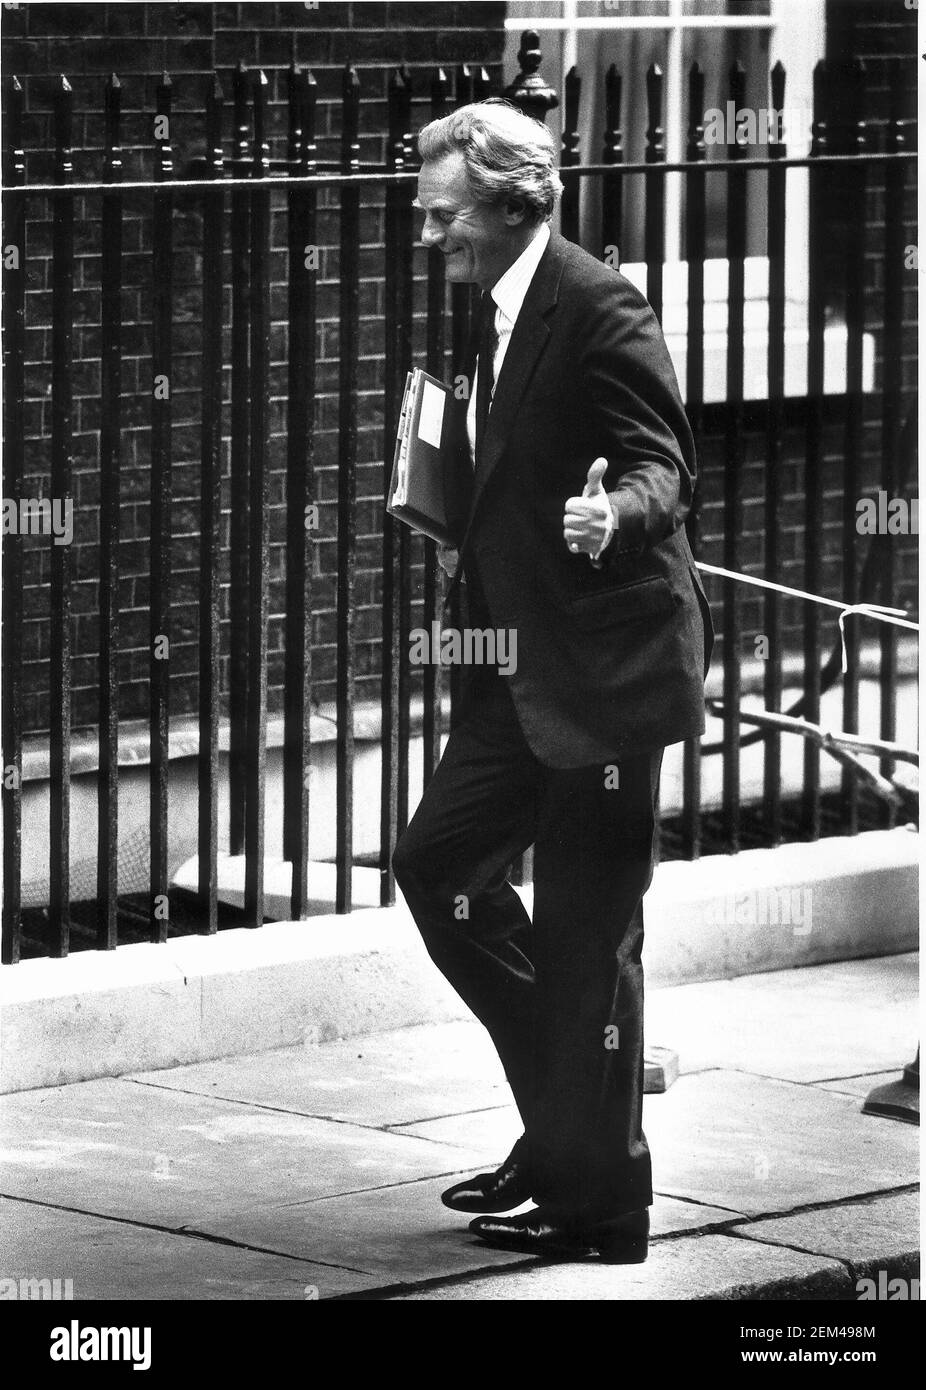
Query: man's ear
x=515, y=212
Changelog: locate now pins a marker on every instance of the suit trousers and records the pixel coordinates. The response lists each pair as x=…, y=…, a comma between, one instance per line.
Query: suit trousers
x=561, y=995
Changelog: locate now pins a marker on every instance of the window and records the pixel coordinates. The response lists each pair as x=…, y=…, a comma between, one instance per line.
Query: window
x=590, y=35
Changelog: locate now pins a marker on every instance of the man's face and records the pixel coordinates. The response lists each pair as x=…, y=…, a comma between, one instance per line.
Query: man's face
x=478, y=242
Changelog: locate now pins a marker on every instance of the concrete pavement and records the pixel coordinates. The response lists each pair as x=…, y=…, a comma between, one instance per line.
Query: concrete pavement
x=315, y=1171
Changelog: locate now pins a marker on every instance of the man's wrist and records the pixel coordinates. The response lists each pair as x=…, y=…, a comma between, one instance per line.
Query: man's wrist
x=611, y=533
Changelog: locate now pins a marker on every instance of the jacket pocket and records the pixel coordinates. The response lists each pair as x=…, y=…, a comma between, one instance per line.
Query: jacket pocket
x=624, y=603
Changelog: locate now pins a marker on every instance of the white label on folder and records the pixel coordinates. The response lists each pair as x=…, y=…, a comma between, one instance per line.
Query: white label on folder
x=431, y=419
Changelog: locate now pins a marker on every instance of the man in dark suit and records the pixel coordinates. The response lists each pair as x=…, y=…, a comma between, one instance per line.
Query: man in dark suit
x=568, y=489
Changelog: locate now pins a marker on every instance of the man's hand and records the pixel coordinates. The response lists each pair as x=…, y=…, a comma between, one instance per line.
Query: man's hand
x=588, y=523
x=447, y=558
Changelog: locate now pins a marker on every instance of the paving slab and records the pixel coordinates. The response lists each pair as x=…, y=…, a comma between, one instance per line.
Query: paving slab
x=763, y=1146
x=693, y=1267
x=670, y=1216
x=148, y=1153
x=493, y=1131
x=399, y=1233
x=883, y=1233
x=115, y=1260
x=740, y=1143
x=770, y=1024
x=403, y=1233
x=402, y=1076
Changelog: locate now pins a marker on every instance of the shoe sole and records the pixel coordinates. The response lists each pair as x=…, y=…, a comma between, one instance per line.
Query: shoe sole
x=484, y=1210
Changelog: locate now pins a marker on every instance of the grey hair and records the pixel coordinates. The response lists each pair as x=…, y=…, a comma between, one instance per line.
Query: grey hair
x=508, y=156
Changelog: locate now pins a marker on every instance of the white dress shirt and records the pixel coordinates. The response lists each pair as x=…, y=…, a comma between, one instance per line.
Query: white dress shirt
x=508, y=292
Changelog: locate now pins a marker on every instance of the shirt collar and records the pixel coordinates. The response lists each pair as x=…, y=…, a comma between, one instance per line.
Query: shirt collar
x=510, y=289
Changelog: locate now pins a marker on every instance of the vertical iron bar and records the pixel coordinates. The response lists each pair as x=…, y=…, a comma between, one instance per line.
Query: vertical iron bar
x=161, y=498
x=654, y=223
x=482, y=85
x=14, y=356
x=110, y=461
x=569, y=157
x=391, y=643
x=349, y=265
x=238, y=521
x=464, y=92
x=655, y=216
x=853, y=189
x=813, y=483
x=300, y=489
x=258, y=520
x=435, y=357
x=407, y=546
x=774, y=448
x=733, y=471
x=59, y=685
x=612, y=192
x=462, y=300
x=695, y=237
x=891, y=403
x=210, y=526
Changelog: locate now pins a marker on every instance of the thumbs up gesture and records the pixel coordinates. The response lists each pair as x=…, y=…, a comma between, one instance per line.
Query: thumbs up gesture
x=588, y=522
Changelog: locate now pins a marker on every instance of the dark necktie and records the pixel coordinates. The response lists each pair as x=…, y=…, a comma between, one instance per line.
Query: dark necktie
x=488, y=342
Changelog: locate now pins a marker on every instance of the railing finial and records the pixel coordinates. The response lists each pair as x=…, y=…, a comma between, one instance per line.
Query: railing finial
x=530, y=92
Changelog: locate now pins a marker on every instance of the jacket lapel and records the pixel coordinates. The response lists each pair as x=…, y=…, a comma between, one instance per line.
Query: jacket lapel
x=528, y=340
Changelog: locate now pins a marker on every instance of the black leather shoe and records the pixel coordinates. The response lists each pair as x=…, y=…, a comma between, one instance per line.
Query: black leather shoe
x=618, y=1241
x=503, y=1190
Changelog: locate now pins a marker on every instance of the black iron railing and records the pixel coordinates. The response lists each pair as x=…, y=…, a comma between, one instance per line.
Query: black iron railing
x=239, y=193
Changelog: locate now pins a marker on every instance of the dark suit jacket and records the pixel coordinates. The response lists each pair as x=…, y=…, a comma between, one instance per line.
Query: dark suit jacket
x=609, y=662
